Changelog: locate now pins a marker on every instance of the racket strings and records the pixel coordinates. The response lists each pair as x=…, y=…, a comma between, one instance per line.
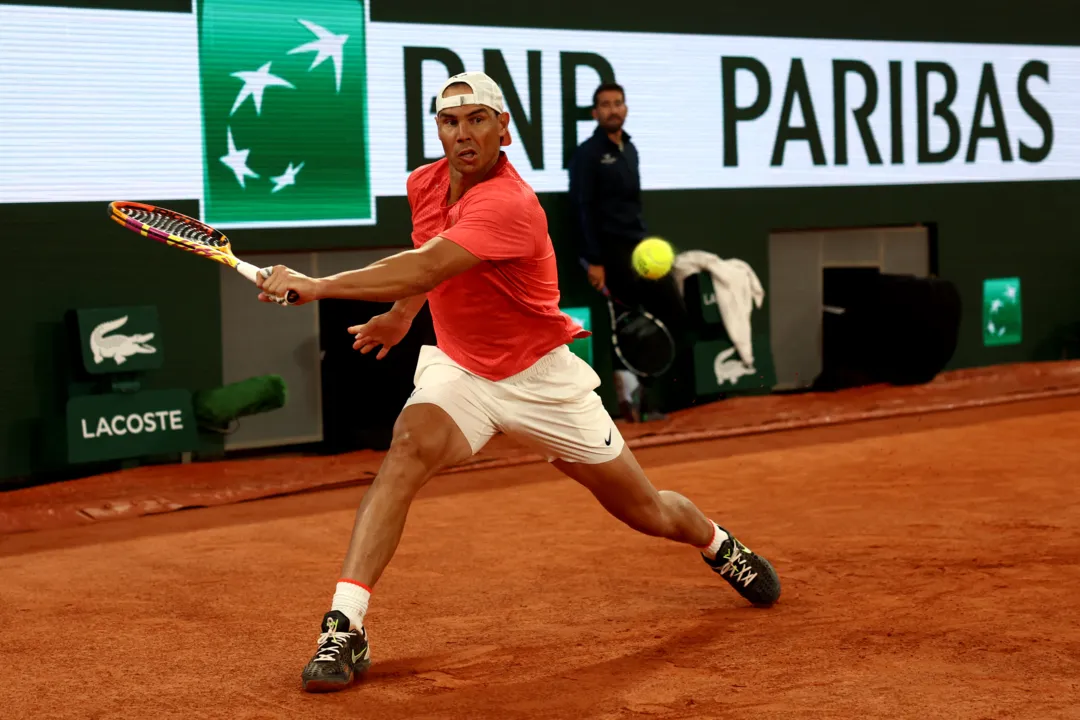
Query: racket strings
x=644, y=344
x=175, y=226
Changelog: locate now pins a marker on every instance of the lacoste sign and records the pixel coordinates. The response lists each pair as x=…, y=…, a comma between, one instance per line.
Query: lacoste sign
x=132, y=424
x=728, y=368
x=718, y=368
x=122, y=339
x=105, y=346
x=127, y=425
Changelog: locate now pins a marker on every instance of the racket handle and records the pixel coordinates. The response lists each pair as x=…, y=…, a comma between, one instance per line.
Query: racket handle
x=251, y=273
x=291, y=297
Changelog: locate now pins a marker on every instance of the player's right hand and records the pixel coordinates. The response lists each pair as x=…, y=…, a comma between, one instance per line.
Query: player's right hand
x=386, y=330
x=596, y=276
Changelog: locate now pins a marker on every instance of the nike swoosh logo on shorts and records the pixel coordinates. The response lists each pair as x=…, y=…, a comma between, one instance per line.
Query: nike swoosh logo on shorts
x=608, y=441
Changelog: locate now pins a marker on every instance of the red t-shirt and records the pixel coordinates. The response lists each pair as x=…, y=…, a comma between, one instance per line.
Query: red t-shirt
x=501, y=316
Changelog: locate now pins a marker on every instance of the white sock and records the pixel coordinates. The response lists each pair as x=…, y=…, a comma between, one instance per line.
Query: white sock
x=351, y=598
x=712, y=548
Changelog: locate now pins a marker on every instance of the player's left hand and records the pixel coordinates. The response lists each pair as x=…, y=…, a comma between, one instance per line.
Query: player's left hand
x=284, y=279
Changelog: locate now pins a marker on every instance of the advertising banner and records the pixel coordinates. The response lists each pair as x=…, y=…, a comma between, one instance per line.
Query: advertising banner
x=127, y=425
x=302, y=113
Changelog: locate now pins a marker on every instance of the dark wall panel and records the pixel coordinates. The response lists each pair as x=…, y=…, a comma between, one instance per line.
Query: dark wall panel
x=70, y=256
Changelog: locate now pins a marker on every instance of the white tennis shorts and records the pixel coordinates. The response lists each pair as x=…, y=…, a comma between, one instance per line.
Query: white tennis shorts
x=551, y=407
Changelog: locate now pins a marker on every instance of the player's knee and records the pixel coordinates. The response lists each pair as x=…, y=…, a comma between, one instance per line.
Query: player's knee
x=414, y=444
x=407, y=466
x=411, y=446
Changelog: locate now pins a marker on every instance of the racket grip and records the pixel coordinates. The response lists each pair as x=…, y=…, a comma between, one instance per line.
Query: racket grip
x=251, y=272
x=291, y=297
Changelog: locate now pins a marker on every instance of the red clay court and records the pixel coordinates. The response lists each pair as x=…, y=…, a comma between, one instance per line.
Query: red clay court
x=926, y=538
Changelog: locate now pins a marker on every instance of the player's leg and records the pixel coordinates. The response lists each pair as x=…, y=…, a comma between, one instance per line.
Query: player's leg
x=570, y=425
x=625, y=491
x=622, y=487
x=425, y=441
x=441, y=425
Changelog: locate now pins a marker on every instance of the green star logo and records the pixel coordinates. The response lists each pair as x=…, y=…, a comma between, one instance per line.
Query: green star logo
x=1002, y=312
x=284, y=109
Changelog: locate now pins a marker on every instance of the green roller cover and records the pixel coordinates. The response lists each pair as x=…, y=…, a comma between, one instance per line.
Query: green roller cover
x=217, y=408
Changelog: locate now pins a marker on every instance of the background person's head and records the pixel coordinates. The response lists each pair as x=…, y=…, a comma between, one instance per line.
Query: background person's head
x=473, y=124
x=609, y=107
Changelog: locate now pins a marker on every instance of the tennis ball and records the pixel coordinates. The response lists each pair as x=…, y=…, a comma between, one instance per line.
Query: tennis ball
x=652, y=258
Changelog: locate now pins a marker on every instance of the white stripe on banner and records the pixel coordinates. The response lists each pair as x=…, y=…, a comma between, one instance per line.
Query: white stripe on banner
x=98, y=104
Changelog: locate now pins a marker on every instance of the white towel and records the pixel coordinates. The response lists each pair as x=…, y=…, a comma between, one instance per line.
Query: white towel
x=738, y=291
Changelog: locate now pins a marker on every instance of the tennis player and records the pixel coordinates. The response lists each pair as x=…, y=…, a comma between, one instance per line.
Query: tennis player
x=484, y=262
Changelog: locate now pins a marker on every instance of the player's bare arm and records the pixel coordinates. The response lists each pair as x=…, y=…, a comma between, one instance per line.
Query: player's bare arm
x=404, y=275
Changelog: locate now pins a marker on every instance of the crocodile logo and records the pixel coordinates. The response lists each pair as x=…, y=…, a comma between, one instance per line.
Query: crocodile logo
x=730, y=369
x=118, y=347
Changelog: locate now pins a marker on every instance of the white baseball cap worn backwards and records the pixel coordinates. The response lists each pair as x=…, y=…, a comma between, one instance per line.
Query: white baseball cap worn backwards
x=484, y=92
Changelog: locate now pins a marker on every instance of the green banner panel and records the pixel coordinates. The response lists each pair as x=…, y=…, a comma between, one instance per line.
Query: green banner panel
x=120, y=339
x=708, y=307
x=285, y=137
x=115, y=426
x=1002, y=312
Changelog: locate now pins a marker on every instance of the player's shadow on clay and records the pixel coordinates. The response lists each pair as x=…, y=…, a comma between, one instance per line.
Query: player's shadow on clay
x=481, y=670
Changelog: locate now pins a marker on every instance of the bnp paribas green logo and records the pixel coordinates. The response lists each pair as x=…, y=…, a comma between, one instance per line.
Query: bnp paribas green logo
x=1002, y=312
x=284, y=113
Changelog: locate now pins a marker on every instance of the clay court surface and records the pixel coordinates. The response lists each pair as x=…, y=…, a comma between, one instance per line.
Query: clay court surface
x=931, y=569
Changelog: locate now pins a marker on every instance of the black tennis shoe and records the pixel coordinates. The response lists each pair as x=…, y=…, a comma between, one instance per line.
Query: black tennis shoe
x=750, y=574
x=342, y=655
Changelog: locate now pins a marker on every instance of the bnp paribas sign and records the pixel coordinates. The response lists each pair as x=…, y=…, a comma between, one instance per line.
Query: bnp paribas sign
x=310, y=111
x=293, y=113
x=283, y=86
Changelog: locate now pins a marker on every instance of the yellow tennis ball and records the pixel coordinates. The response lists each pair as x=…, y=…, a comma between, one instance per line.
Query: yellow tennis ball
x=652, y=258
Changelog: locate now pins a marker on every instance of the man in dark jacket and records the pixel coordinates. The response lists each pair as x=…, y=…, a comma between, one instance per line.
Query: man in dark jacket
x=605, y=189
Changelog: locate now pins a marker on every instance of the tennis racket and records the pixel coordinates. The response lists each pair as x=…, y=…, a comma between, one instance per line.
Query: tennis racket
x=180, y=231
x=641, y=340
